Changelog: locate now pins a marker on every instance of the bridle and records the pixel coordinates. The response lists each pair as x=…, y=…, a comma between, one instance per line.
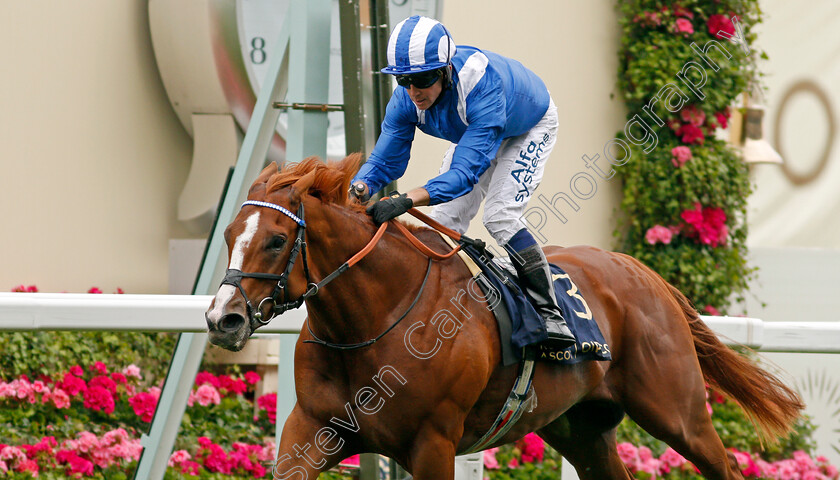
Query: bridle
x=279, y=299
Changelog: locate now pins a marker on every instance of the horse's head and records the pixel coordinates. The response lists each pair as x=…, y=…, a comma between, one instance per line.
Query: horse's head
x=267, y=272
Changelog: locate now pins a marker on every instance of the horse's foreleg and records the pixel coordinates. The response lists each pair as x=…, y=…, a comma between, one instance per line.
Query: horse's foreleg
x=307, y=447
x=432, y=458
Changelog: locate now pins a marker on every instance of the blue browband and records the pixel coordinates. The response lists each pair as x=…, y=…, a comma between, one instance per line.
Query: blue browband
x=278, y=208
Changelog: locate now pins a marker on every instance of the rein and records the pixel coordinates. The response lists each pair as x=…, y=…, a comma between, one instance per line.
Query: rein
x=279, y=299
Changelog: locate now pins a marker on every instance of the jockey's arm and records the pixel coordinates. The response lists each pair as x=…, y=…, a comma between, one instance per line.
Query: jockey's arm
x=419, y=195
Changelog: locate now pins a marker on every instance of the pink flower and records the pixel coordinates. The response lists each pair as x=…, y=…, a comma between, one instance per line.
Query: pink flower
x=30, y=466
x=628, y=453
x=684, y=26
x=25, y=289
x=680, y=155
x=532, y=447
x=268, y=402
x=708, y=224
x=178, y=457
x=119, y=291
x=690, y=133
x=671, y=459
x=490, y=461
x=78, y=465
x=72, y=385
x=60, y=398
x=712, y=311
x=720, y=23
x=693, y=115
x=207, y=394
x=252, y=377
x=94, y=290
x=104, y=382
x=207, y=377
x=513, y=463
x=144, y=405
x=722, y=118
x=658, y=233
x=99, y=368
x=132, y=371
x=99, y=398
x=354, y=460
x=190, y=468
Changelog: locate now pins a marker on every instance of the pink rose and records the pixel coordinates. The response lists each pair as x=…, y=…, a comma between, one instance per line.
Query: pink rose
x=684, y=26
x=532, y=447
x=693, y=115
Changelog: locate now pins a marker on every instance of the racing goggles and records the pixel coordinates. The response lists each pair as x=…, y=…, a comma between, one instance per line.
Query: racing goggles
x=419, y=80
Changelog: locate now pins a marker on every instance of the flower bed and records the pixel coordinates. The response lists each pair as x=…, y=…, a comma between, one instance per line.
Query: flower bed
x=86, y=423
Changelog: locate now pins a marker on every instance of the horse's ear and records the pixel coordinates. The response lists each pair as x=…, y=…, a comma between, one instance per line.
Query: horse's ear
x=261, y=182
x=301, y=186
x=266, y=173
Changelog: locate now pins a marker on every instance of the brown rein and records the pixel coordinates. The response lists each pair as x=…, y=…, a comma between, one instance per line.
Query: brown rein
x=419, y=245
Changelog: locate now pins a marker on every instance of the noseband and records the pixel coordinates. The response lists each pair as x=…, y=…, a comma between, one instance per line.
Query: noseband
x=278, y=299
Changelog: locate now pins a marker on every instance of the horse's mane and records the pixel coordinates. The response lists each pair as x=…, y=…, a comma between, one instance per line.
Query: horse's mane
x=332, y=180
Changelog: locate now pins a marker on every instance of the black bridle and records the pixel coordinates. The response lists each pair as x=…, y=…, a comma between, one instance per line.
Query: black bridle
x=279, y=300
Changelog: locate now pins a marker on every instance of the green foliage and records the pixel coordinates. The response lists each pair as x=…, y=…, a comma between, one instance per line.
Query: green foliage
x=48, y=353
x=656, y=45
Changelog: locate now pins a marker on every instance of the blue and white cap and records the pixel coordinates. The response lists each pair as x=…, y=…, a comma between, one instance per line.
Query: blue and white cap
x=418, y=44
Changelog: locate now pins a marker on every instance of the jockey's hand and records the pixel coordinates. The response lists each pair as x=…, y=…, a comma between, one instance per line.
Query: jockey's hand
x=389, y=207
x=359, y=192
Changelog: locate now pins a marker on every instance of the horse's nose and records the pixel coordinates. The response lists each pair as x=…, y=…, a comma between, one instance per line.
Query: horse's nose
x=231, y=322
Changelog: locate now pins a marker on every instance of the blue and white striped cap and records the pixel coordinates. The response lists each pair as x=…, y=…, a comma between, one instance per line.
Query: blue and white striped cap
x=418, y=44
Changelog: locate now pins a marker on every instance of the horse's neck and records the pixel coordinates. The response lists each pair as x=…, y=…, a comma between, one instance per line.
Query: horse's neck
x=365, y=297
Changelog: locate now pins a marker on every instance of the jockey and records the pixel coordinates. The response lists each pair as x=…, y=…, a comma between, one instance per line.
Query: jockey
x=502, y=123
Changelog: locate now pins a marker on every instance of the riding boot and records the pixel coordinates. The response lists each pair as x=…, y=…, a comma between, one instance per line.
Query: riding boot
x=535, y=277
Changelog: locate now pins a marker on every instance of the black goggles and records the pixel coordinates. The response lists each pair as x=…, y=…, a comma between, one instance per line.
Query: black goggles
x=419, y=80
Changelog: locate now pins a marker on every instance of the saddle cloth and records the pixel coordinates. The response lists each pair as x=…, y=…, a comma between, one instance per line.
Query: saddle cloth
x=525, y=326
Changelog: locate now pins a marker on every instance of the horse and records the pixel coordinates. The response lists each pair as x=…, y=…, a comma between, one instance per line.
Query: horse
x=397, y=359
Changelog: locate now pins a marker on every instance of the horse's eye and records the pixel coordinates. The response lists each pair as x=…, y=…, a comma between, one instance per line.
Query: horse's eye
x=276, y=242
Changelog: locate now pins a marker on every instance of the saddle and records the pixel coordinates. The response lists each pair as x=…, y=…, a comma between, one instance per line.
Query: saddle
x=517, y=319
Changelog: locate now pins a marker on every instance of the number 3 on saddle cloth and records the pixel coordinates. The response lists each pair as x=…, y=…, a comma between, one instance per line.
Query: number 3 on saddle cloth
x=526, y=325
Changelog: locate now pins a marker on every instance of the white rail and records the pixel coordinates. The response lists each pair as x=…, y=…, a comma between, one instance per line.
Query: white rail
x=185, y=313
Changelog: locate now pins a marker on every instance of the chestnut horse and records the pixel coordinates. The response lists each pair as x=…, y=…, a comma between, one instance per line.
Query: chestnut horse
x=432, y=383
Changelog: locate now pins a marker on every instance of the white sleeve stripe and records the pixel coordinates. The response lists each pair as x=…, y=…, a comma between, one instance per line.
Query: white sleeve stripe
x=468, y=77
x=417, y=44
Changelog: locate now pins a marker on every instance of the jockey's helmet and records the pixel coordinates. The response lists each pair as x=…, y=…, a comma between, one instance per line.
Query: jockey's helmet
x=418, y=44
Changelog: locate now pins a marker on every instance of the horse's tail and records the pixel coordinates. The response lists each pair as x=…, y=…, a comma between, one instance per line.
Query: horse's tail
x=770, y=404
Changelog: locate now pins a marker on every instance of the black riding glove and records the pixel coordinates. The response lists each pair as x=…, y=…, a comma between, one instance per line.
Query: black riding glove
x=389, y=207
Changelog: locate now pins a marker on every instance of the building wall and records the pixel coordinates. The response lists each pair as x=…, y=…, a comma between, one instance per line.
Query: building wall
x=92, y=156
x=572, y=47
